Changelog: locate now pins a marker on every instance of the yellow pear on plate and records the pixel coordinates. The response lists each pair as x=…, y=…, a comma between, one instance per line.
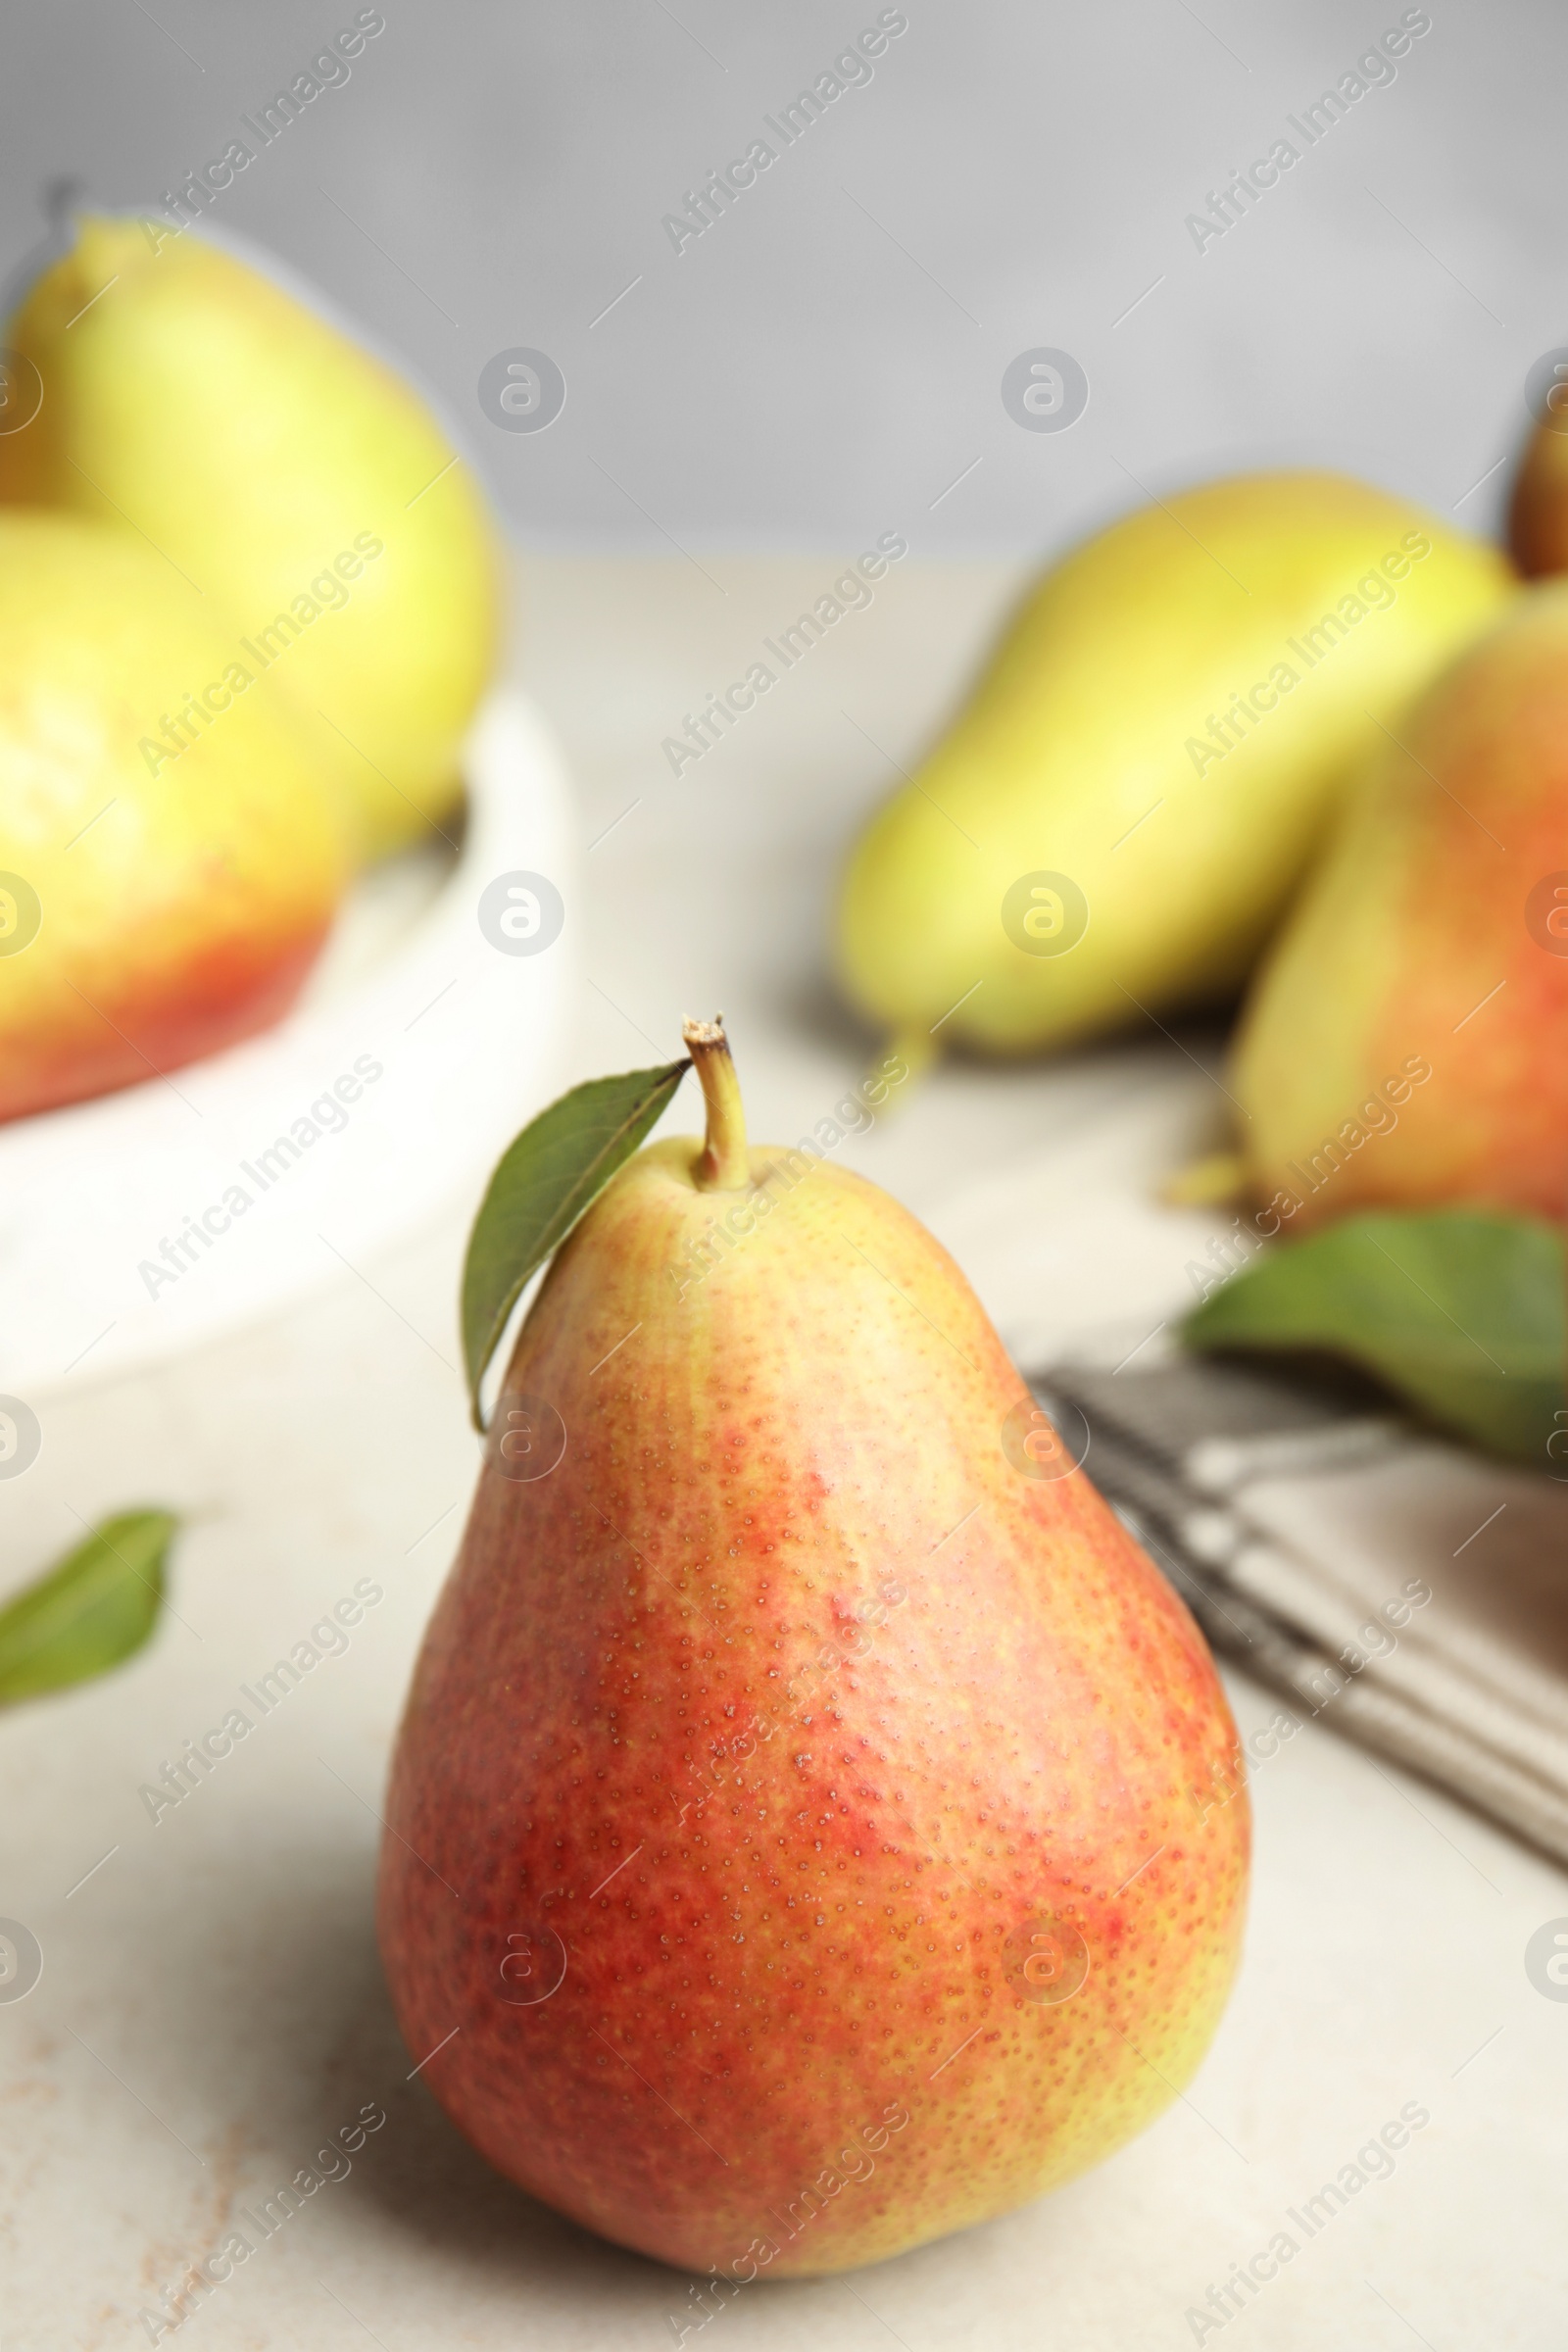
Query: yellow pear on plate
x=295, y=480
x=155, y=903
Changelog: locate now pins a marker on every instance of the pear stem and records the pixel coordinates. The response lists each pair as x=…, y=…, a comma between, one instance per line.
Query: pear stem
x=724, y=1165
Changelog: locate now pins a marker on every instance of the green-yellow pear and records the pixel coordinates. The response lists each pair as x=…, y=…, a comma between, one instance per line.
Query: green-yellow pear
x=1118, y=817
x=1405, y=1042
x=295, y=479
x=816, y=1824
x=155, y=903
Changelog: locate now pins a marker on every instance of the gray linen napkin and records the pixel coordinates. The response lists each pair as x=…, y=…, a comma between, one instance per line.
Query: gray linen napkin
x=1409, y=1591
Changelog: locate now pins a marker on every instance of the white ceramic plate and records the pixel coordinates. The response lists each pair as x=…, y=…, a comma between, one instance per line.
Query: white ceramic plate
x=138, y=1224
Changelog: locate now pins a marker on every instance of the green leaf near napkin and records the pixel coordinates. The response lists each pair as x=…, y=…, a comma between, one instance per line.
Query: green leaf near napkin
x=90, y=1611
x=1459, y=1310
x=543, y=1183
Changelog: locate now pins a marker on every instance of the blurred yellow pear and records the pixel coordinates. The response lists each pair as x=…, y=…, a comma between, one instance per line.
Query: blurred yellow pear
x=155, y=905
x=293, y=477
x=1118, y=819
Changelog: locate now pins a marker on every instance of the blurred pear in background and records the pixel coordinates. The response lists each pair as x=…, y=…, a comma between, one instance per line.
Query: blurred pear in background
x=1118, y=819
x=1407, y=1041
x=171, y=856
x=293, y=478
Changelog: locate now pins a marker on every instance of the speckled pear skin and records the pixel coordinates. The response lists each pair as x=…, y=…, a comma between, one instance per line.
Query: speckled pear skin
x=776, y=1716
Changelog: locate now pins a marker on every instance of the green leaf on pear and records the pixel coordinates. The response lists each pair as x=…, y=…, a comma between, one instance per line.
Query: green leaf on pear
x=543, y=1181
x=91, y=1611
x=1458, y=1311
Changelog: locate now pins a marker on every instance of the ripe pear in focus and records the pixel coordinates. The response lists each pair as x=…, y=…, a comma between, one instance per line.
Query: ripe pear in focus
x=1118, y=817
x=815, y=1825
x=295, y=479
x=152, y=908
x=1406, y=1041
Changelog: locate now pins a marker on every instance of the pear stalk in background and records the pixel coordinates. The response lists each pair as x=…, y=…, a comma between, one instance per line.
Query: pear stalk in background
x=1538, y=511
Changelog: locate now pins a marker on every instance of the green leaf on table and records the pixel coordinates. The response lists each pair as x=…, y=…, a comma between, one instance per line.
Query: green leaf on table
x=543, y=1181
x=1458, y=1311
x=90, y=1611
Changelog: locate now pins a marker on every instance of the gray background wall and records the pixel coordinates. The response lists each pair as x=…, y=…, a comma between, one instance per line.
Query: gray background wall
x=824, y=362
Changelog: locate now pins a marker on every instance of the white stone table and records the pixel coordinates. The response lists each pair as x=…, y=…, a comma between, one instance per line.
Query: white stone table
x=211, y=2006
